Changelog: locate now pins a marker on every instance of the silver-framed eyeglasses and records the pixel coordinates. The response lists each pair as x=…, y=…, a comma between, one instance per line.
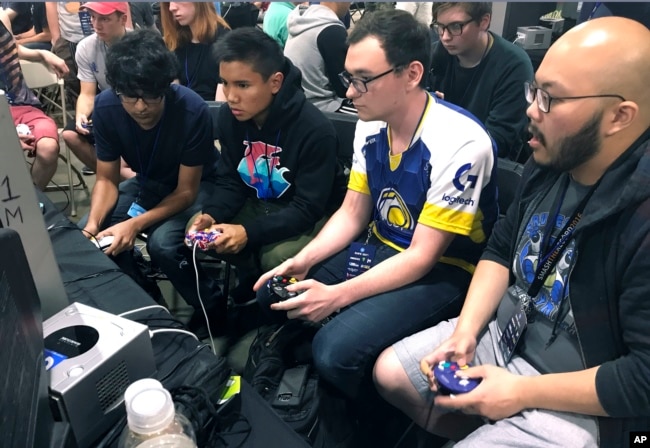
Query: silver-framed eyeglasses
x=148, y=99
x=544, y=99
x=454, y=28
x=360, y=84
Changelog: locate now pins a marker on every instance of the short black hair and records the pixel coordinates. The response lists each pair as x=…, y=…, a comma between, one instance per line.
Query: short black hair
x=251, y=46
x=141, y=63
x=402, y=38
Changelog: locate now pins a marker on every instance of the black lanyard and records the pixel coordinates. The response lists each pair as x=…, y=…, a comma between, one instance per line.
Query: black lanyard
x=549, y=256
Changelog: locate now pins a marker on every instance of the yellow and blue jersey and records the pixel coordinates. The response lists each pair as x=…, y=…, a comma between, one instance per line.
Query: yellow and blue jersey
x=445, y=180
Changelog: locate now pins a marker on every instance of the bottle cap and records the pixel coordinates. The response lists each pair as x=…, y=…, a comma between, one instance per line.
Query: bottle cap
x=149, y=406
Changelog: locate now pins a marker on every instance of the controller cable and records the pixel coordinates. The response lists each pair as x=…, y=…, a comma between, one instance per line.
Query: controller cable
x=412, y=424
x=198, y=294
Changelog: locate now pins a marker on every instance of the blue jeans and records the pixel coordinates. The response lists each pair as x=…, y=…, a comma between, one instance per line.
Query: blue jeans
x=346, y=348
x=167, y=250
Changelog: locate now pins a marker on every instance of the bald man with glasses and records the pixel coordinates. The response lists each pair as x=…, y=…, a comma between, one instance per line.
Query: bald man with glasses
x=555, y=322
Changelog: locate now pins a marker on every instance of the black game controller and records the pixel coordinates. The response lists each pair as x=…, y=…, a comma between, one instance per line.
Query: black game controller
x=451, y=380
x=277, y=285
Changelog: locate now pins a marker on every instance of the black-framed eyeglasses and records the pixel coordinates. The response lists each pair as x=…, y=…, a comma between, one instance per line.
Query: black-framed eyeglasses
x=148, y=99
x=360, y=84
x=454, y=28
x=544, y=99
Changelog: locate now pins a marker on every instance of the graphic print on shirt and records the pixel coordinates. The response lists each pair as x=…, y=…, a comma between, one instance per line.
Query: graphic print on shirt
x=556, y=286
x=260, y=169
x=393, y=210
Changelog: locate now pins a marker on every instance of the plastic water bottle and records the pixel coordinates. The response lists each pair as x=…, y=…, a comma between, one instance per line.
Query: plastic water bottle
x=152, y=419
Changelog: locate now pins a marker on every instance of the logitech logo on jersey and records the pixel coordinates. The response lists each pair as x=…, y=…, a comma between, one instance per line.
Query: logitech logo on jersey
x=457, y=200
x=471, y=178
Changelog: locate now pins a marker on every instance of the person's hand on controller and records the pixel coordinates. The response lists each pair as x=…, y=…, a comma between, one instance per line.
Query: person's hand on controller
x=290, y=268
x=201, y=239
x=83, y=125
x=460, y=347
x=232, y=240
x=124, y=234
x=498, y=396
x=277, y=285
x=315, y=302
x=204, y=223
x=104, y=242
x=27, y=143
x=201, y=222
x=452, y=379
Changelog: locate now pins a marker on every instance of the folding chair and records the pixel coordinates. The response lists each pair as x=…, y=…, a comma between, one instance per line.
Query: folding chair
x=38, y=77
x=345, y=126
x=508, y=178
x=356, y=11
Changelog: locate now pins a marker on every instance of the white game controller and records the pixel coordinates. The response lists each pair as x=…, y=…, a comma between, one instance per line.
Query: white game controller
x=104, y=242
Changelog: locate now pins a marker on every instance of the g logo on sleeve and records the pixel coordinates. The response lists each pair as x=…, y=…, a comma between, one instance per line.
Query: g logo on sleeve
x=471, y=178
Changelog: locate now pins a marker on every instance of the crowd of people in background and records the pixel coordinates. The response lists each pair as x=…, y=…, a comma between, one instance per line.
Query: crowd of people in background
x=410, y=265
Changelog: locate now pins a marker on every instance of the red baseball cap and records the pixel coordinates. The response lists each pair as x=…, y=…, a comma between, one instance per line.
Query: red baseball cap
x=107, y=8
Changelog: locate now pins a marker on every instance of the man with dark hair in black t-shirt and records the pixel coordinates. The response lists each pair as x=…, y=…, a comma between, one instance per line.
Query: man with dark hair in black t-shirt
x=164, y=133
x=481, y=72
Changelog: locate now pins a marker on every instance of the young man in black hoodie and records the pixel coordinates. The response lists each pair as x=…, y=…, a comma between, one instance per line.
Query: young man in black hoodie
x=279, y=175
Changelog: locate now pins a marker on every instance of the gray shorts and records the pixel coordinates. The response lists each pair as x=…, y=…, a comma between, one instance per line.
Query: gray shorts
x=530, y=428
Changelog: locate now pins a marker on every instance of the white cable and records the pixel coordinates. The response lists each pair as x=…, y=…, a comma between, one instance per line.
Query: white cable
x=227, y=11
x=150, y=307
x=198, y=294
x=173, y=330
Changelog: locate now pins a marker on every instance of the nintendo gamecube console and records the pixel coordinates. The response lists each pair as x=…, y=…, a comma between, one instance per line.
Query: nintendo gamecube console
x=92, y=357
x=534, y=37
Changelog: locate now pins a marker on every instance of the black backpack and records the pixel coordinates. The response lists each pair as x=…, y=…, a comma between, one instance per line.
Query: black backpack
x=279, y=368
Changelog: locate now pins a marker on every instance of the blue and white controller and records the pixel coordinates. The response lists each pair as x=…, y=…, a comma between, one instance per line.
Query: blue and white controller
x=451, y=379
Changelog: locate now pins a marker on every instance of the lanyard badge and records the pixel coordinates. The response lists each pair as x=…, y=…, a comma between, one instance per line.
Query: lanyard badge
x=512, y=332
x=360, y=257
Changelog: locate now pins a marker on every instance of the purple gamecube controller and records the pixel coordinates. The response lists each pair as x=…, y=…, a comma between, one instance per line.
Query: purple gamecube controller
x=451, y=380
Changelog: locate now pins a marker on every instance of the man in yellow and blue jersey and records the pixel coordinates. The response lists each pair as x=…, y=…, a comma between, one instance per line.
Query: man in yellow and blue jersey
x=399, y=253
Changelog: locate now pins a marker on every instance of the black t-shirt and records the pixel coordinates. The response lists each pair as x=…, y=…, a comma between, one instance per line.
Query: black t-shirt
x=23, y=21
x=39, y=17
x=183, y=136
x=553, y=301
x=460, y=84
x=199, y=67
